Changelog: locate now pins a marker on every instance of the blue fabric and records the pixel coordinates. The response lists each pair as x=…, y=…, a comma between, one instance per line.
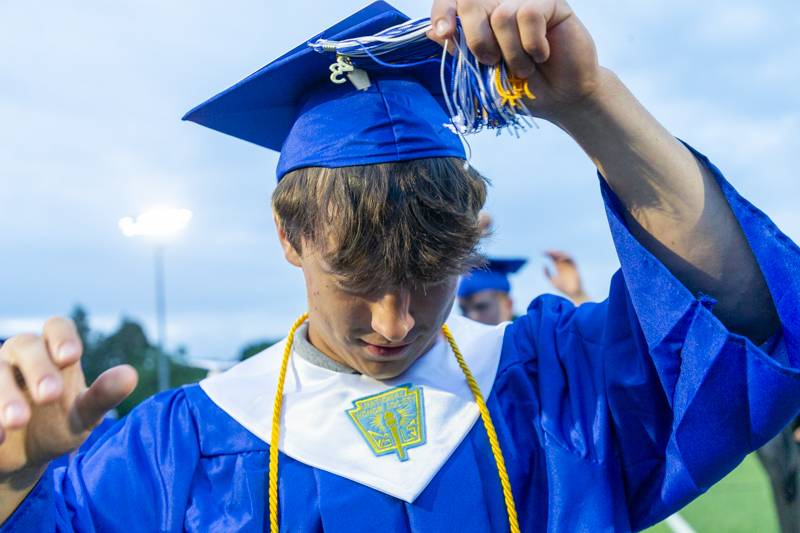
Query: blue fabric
x=611, y=416
x=291, y=106
x=97, y=433
x=393, y=120
x=491, y=277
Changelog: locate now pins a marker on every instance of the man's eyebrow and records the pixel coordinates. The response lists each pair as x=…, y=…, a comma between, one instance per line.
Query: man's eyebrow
x=349, y=285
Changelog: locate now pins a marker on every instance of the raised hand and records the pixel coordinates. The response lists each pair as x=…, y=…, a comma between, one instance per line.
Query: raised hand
x=566, y=277
x=541, y=40
x=46, y=409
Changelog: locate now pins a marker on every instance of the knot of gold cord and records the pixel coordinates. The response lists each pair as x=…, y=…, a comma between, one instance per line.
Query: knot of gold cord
x=512, y=95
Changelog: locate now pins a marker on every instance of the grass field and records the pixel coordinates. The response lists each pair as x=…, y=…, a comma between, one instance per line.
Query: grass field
x=740, y=503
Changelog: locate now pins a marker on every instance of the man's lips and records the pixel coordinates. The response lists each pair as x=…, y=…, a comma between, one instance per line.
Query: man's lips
x=385, y=351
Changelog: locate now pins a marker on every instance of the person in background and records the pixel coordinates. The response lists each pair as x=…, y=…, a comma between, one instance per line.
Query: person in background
x=484, y=294
x=780, y=457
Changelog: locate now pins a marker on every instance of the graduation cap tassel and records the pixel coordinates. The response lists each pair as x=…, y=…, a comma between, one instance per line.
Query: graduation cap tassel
x=477, y=96
x=450, y=110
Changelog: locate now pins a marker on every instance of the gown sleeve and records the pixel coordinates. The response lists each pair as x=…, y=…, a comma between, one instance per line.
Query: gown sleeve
x=135, y=477
x=650, y=383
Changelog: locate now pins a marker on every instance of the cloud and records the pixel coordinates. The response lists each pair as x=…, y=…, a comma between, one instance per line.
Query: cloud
x=91, y=95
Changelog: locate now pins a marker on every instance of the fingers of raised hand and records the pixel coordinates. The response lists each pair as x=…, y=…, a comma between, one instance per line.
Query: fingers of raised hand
x=532, y=18
x=512, y=30
x=558, y=256
x=478, y=31
x=107, y=391
x=63, y=341
x=509, y=33
x=443, y=20
x=14, y=410
x=33, y=367
x=30, y=371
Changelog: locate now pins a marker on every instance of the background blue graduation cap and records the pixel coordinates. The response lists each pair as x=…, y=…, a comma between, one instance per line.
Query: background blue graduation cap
x=492, y=276
x=291, y=105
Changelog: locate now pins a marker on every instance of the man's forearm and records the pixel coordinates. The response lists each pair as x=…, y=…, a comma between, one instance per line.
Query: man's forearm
x=674, y=206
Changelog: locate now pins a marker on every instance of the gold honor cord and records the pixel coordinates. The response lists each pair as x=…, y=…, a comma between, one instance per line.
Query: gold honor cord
x=276, y=428
x=497, y=452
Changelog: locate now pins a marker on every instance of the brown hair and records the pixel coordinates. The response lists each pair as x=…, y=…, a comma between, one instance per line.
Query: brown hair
x=400, y=224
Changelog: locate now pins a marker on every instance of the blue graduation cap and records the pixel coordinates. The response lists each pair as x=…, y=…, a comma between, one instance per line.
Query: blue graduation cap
x=292, y=106
x=492, y=276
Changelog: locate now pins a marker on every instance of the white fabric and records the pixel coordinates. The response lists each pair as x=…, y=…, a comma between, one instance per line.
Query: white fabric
x=316, y=430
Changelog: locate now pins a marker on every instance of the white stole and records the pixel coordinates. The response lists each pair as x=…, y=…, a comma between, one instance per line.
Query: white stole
x=315, y=427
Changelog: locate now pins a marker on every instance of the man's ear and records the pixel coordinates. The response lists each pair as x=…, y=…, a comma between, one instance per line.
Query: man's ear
x=289, y=252
x=508, y=304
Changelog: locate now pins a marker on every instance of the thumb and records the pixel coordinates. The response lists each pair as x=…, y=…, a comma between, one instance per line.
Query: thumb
x=443, y=20
x=107, y=391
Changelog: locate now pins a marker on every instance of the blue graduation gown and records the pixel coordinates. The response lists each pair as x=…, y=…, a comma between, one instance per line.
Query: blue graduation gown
x=611, y=416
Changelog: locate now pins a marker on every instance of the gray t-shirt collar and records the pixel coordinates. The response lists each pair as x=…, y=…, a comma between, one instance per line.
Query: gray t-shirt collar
x=306, y=350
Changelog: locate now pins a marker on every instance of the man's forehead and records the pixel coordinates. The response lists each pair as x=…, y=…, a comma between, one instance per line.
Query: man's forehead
x=344, y=281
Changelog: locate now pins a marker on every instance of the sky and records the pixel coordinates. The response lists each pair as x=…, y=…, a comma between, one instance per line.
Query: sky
x=91, y=95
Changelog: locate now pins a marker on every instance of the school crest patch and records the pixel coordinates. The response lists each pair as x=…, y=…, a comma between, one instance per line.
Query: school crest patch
x=391, y=421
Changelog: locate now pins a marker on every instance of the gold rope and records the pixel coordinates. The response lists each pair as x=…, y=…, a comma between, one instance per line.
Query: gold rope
x=276, y=428
x=497, y=452
x=513, y=95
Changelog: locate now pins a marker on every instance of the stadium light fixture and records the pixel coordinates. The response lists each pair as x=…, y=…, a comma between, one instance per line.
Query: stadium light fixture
x=158, y=225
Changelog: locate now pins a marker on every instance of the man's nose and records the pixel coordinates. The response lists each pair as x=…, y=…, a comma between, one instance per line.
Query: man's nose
x=391, y=316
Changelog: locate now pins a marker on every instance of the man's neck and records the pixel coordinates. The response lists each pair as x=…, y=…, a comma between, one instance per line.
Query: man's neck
x=306, y=350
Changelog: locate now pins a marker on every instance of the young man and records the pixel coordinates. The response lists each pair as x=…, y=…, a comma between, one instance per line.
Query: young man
x=605, y=417
x=484, y=294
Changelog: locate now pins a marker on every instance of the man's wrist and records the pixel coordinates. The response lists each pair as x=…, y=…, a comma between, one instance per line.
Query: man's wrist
x=618, y=134
x=593, y=108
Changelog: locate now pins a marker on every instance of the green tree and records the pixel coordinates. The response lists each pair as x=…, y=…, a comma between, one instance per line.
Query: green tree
x=81, y=319
x=183, y=374
x=129, y=344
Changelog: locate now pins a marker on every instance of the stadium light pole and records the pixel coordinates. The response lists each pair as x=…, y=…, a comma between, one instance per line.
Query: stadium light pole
x=158, y=225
